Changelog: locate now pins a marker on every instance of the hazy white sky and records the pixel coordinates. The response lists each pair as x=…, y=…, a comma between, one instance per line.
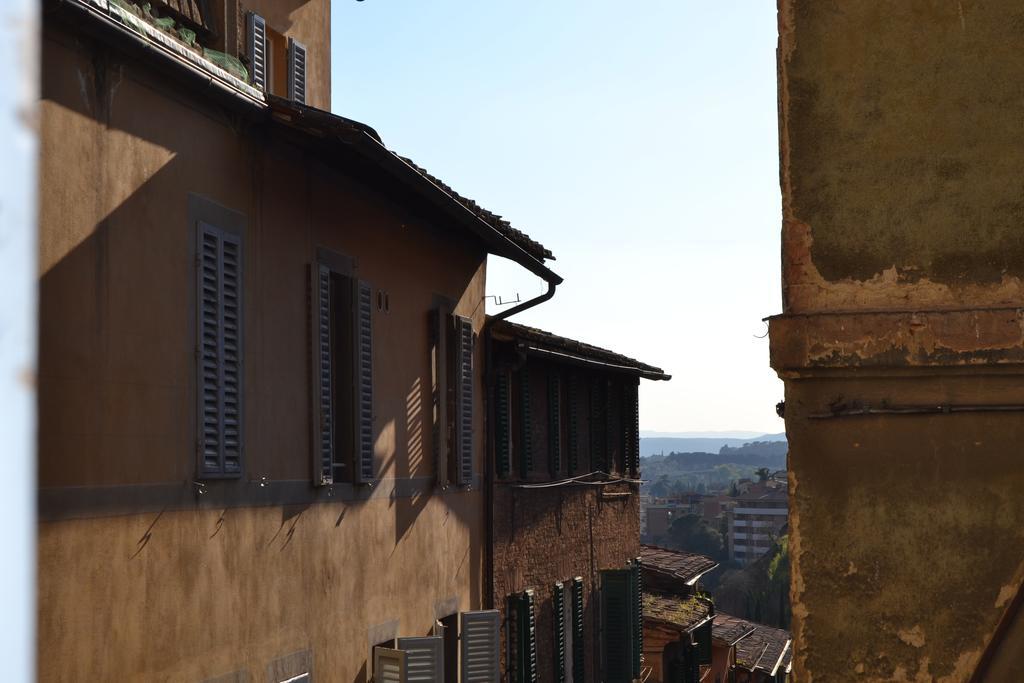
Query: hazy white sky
x=637, y=140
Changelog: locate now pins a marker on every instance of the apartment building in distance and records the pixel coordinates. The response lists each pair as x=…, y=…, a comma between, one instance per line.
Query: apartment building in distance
x=756, y=521
x=261, y=374
x=564, y=487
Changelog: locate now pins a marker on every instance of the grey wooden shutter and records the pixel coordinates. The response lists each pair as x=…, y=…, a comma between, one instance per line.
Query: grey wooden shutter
x=440, y=359
x=525, y=424
x=503, y=425
x=558, y=612
x=296, y=71
x=323, y=375
x=424, y=661
x=257, y=50
x=578, y=651
x=617, y=616
x=389, y=666
x=480, y=635
x=464, y=398
x=219, y=353
x=554, y=423
x=363, y=373
x=574, y=425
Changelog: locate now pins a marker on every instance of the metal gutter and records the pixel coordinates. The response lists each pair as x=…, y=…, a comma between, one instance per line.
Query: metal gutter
x=782, y=655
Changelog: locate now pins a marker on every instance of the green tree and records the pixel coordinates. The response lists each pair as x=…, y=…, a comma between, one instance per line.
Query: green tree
x=692, y=534
x=763, y=473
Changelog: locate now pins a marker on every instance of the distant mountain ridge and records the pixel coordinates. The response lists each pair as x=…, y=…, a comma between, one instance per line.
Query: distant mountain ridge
x=655, y=445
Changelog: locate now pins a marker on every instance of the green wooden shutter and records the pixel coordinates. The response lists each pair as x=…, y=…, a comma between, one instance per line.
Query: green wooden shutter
x=702, y=636
x=558, y=612
x=525, y=425
x=599, y=425
x=296, y=71
x=554, y=423
x=502, y=427
x=631, y=428
x=574, y=425
x=526, y=637
x=617, y=613
x=636, y=594
x=363, y=372
x=578, y=646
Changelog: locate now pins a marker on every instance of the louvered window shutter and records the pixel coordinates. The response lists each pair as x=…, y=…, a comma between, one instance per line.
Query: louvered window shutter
x=424, y=659
x=632, y=428
x=558, y=614
x=323, y=376
x=702, y=636
x=296, y=71
x=554, y=423
x=363, y=373
x=636, y=596
x=479, y=646
x=578, y=650
x=525, y=425
x=389, y=666
x=257, y=50
x=219, y=353
x=526, y=638
x=464, y=398
x=617, y=614
x=502, y=427
x=574, y=425
x=598, y=425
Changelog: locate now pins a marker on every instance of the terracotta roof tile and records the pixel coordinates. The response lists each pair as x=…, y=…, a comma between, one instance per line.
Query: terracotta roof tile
x=684, y=613
x=553, y=342
x=674, y=564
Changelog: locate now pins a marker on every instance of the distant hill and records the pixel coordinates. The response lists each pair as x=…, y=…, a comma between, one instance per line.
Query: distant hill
x=678, y=470
x=670, y=444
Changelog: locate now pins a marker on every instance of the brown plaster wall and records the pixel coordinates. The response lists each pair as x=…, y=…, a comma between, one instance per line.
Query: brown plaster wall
x=187, y=594
x=900, y=154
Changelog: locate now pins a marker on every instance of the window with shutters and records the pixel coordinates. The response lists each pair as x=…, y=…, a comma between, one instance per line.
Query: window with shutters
x=277, y=64
x=219, y=350
x=389, y=665
x=599, y=425
x=454, y=350
x=342, y=355
x=576, y=433
x=631, y=427
x=619, y=613
x=424, y=659
x=523, y=641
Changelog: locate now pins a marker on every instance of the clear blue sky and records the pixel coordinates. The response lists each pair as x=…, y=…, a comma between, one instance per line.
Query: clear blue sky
x=637, y=140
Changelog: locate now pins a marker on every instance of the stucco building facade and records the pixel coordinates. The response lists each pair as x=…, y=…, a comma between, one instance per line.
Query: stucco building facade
x=901, y=340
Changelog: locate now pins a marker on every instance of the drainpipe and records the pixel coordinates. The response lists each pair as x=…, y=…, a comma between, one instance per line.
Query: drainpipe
x=552, y=283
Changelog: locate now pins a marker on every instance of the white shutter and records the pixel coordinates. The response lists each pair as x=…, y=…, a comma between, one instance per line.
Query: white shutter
x=363, y=310
x=424, y=661
x=480, y=647
x=464, y=398
x=296, y=71
x=258, y=50
x=219, y=352
x=388, y=665
x=323, y=375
